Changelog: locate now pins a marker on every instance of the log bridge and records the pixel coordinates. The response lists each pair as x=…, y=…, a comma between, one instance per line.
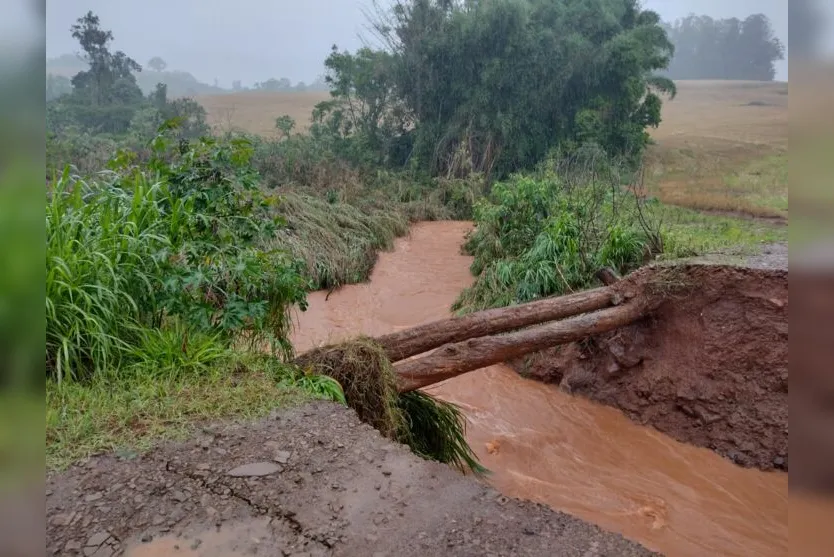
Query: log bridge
x=462, y=344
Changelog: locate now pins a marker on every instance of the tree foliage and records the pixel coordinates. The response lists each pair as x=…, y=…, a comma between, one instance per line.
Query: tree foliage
x=707, y=48
x=491, y=86
x=364, y=113
x=103, y=104
x=110, y=79
x=57, y=86
x=157, y=64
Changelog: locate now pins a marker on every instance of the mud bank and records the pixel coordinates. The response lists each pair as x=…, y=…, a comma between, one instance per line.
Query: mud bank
x=709, y=368
x=307, y=481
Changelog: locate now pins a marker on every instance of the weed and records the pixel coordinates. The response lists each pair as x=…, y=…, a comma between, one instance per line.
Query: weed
x=435, y=429
x=128, y=257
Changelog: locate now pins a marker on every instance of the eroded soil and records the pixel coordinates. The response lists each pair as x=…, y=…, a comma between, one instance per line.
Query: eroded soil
x=709, y=368
x=331, y=486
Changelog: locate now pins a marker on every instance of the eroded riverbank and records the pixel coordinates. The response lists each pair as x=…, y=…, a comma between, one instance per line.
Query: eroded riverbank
x=335, y=487
x=545, y=445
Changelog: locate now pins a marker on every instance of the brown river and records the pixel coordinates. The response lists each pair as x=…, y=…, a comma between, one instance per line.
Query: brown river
x=544, y=445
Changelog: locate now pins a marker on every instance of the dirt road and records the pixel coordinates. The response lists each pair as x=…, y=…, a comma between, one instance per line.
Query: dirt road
x=307, y=481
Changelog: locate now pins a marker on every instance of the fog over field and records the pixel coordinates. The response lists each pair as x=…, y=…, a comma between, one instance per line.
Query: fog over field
x=253, y=40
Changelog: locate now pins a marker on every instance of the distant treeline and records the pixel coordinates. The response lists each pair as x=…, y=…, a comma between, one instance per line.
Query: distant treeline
x=707, y=48
x=179, y=83
x=61, y=69
x=284, y=84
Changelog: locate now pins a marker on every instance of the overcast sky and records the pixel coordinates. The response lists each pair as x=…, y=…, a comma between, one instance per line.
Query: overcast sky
x=253, y=40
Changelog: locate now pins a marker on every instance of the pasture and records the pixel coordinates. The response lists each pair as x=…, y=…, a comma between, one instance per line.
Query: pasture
x=256, y=111
x=723, y=146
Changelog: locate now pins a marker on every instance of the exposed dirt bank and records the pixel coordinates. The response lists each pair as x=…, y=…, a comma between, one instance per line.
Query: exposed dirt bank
x=307, y=481
x=709, y=368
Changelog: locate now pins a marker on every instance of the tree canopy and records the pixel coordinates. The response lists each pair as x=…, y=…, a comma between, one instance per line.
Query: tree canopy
x=105, y=100
x=492, y=86
x=157, y=64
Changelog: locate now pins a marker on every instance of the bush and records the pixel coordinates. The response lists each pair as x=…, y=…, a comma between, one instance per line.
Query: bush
x=547, y=235
x=177, y=248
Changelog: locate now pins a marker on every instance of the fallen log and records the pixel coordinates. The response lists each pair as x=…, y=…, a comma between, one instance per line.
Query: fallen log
x=476, y=353
x=416, y=340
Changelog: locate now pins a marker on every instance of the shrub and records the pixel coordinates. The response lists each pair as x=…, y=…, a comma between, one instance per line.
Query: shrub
x=183, y=240
x=547, y=235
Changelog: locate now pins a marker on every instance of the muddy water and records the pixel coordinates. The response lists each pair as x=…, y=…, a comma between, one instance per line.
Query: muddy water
x=544, y=445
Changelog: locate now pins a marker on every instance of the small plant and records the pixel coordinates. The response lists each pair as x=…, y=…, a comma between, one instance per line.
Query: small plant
x=435, y=429
x=285, y=124
x=319, y=386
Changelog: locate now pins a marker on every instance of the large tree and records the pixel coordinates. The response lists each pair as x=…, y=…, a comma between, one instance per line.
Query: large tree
x=105, y=96
x=157, y=64
x=492, y=86
x=110, y=77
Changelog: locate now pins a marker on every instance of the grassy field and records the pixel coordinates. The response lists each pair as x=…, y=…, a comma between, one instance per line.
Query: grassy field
x=723, y=146
x=255, y=111
x=131, y=415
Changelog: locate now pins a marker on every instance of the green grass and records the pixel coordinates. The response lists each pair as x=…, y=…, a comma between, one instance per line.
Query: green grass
x=739, y=178
x=688, y=232
x=762, y=184
x=543, y=236
x=130, y=414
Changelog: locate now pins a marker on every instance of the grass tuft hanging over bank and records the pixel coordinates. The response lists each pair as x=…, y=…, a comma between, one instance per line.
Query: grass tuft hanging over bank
x=434, y=429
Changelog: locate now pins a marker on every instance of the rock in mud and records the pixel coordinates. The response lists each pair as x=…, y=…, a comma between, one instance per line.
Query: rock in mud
x=254, y=470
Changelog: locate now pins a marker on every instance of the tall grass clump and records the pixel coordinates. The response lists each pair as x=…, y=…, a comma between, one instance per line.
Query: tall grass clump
x=338, y=242
x=175, y=249
x=432, y=428
x=102, y=272
x=549, y=233
x=340, y=209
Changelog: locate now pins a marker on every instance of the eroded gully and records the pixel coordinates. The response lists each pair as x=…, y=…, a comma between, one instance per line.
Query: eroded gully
x=544, y=445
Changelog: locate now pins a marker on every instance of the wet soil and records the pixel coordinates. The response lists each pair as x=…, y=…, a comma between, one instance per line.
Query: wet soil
x=709, y=368
x=306, y=481
x=568, y=452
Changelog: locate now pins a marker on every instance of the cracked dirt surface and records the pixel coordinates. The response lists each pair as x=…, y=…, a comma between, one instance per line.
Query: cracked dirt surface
x=314, y=481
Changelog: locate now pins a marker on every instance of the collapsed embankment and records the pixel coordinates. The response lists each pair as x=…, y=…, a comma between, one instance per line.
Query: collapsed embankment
x=709, y=367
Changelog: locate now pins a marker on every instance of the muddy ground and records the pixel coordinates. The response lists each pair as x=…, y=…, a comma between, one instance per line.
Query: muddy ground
x=709, y=368
x=330, y=485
